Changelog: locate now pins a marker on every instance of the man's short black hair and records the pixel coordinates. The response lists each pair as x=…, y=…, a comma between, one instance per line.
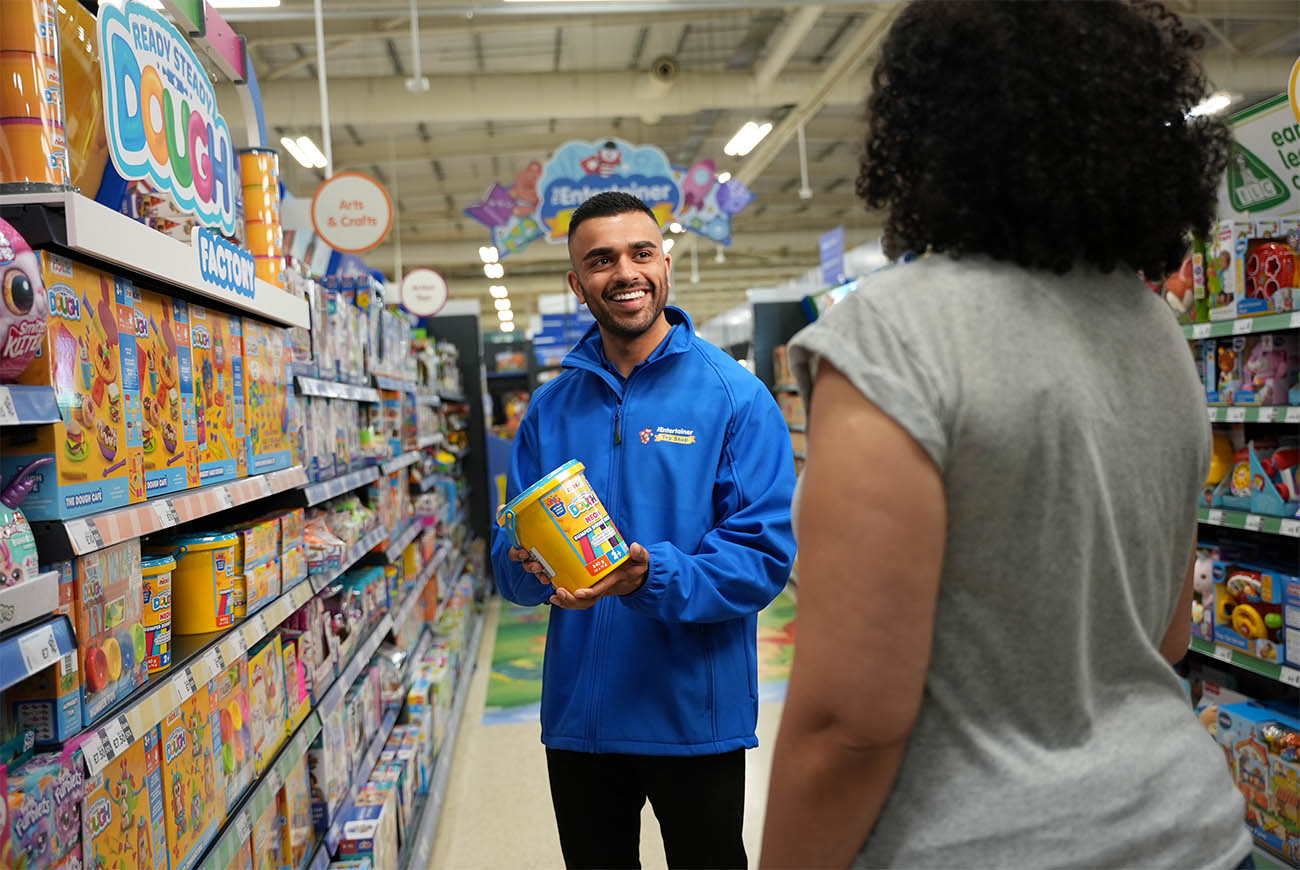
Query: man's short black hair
x=608, y=204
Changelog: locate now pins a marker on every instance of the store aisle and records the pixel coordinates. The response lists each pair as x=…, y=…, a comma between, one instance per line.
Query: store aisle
x=498, y=808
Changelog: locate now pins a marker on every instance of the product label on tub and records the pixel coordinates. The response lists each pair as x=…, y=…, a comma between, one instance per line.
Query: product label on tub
x=580, y=517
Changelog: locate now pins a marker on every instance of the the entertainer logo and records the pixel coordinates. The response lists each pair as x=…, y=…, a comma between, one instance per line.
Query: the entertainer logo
x=674, y=436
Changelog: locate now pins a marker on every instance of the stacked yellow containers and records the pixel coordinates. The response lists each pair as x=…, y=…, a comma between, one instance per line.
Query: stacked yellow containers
x=33, y=144
x=259, y=170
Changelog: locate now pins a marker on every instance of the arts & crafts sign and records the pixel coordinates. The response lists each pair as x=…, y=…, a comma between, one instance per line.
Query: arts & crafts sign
x=543, y=197
x=161, y=115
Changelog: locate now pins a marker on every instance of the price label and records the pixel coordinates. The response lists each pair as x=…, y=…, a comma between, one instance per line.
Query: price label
x=225, y=497
x=69, y=663
x=1212, y=414
x=1293, y=415
x=1236, y=415
x=237, y=645
x=1290, y=676
x=274, y=780
x=39, y=649
x=95, y=752
x=1267, y=414
x=260, y=627
x=1201, y=330
x=166, y=513
x=215, y=661
x=1295, y=320
x=1215, y=517
x=1243, y=327
x=1222, y=653
x=119, y=735
x=1253, y=522
x=243, y=826
x=1290, y=528
x=8, y=413
x=85, y=536
x=185, y=686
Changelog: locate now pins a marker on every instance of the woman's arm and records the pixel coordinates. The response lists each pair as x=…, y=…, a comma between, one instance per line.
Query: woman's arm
x=871, y=531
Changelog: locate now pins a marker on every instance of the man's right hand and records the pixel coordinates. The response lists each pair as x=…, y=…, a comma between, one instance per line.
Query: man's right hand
x=531, y=565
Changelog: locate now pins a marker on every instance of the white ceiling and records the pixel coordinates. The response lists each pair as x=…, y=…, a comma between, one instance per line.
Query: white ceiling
x=510, y=81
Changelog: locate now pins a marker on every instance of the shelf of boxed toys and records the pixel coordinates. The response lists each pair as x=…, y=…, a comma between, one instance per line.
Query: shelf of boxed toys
x=238, y=825
x=335, y=390
x=426, y=441
x=426, y=483
x=355, y=553
x=1274, y=671
x=324, y=490
x=383, y=382
x=365, y=767
x=1256, y=414
x=403, y=611
x=133, y=250
x=419, y=847
x=1248, y=521
x=28, y=406
x=445, y=580
x=27, y=601
x=76, y=537
x=35, y=647
x=398, y=541
x=430, y=399
x=397, y=463
x=1242, y=325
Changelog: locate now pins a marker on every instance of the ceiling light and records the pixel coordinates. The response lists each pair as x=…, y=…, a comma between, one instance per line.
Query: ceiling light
x=502, y=304
x=1211, y=105
x=498, y=291
x=494, y=270
x=675, y=227
x=489, y=254
x=668, y=244
x=746, y=138
x=311, y=152
x=295, y=152
x=506, y=315
x=724, y=177
x=507, y=326
x=244, y=4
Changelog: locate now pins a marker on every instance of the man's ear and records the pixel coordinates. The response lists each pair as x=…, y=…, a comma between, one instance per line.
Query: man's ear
x=576, y=287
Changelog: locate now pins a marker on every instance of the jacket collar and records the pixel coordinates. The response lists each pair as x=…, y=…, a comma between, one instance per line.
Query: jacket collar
x=589, y=352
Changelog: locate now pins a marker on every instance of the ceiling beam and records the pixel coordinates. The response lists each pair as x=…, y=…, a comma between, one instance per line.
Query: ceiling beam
x=786, y=43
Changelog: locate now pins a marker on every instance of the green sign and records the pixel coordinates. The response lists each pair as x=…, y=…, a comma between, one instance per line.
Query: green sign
x=1263, y=176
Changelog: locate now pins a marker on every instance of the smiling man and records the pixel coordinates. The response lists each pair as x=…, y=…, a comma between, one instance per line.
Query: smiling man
x=649, y=687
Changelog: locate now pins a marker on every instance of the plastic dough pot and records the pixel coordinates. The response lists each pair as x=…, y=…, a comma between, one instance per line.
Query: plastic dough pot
x=157, y=614
x=562, y=523
x=203, y=581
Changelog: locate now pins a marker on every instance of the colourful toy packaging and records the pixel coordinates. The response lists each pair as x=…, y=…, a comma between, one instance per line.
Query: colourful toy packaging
x=293, y=567
x=266, y=699
x=168, y=429
x=49, y=701
x=297, y=698
x=243, y=857
x=296, y=830
x=328, y=766
x=370, y=831
x=1229, y=370
x=1203, y=591
x=1270, y=269
x=267, y=389
x=96, y=448
x=234, y=716
x=217, y=356
x=1225, y=272
x=352, y=864
x=259, y=542
x=404, y=783
x=45, y=809
x=1273, y=476
x=266, y=839
x=1248, y=606
x=122, y=814
x=193, y=786
x=1262, y=748
x=203, y=582
x=108, y=609
x=1270, y=368
x=6, y=845
x=257, y=587
x=1184, y=291
x=1291, y=617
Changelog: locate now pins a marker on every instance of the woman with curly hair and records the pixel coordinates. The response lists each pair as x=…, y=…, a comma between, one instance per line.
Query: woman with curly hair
x=1007, y=438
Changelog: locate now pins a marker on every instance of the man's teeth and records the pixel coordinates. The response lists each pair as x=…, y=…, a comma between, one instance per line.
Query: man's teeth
x=629, y=296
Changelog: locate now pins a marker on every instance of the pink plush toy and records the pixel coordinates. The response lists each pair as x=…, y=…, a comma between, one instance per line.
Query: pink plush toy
x=1203, y=600
x=1267, y=370
x=24, y=309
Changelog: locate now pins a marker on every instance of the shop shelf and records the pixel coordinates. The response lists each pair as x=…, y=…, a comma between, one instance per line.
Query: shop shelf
x=95, y=232
x=428, y=440
x=428, y=399
x=67, y=538
x=419, y=846
x=368, y=542
x=325, y=490
x=452, y=398
x=408, y=533
x=25, y=602
x=1265, y=414
x=335, y=390
x=1274, y=671
x=330, y=700
x=403, y=610
x=28, y=406
x=33, y=648
x=384, y=382
x=1250, y=522
x=426, y=483
x=399, y=462
x=1243, y=325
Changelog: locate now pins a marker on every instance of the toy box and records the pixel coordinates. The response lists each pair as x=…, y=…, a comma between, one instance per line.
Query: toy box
x=243, y=857
x=1270, y=269
x=1273, y=464
x=404, y=783
x=294, y=805
x=1183, y=290
x=1225, y=269
x=259, y=542
x=193, y=785
x=1269, y=369
x=266, y=699
x=230, y=703
x=267, y=389
x=329, y=766
x=265, y=839
x=1248, y=607
x=48, y=702
x=290, y=524
x=122, y=818
x=1229, y=370
x=370, y=831
x=168, y=429
x=1291, y=618
x=108, y=605
x=217, y=362
x=293, y=567
x=44, y=815
x=297, y=698
x=88, y=355
x=352, y=864
x=1262, y=747
x=257, y=587
x=1203, y=591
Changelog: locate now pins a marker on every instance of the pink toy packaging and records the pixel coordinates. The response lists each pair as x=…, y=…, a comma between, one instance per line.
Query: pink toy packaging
x=1270, y=368
x=23, y=316
x=1203, y=591
x=45, y=809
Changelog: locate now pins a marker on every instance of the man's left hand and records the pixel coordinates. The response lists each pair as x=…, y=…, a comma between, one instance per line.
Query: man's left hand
x=623, y=580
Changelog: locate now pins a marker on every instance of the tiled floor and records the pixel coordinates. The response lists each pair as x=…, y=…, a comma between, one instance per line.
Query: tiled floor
x=498, y=808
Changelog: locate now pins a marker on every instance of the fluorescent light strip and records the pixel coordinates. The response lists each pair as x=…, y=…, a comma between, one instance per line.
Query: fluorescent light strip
x=746, y=138
x=311, y=152
x=295, y=152
x=1211, y=105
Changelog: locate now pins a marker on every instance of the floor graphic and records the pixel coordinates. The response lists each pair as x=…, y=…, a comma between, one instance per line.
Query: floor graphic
x=515, y=684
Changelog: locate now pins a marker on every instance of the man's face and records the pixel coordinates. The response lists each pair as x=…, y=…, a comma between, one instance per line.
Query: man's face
x=620, y=271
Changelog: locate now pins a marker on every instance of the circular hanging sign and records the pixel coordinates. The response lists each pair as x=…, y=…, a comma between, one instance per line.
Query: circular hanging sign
x=1291, y=91
x=424, y=292
x=351, y=212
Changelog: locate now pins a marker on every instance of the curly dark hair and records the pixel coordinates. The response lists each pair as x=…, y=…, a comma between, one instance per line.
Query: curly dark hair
x=1046, y=134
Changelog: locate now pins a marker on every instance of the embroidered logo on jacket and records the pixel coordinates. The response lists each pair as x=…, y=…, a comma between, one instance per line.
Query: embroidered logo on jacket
x=672, y=436
x=646, y=435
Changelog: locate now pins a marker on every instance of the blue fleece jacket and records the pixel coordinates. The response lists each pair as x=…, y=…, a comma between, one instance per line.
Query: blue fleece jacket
x=670, y=669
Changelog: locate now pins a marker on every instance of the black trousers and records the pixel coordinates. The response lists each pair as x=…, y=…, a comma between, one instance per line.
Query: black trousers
x=699, y=801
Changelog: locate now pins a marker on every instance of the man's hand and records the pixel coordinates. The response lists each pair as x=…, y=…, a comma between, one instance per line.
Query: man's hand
x=623, y=580
x=529, y=564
